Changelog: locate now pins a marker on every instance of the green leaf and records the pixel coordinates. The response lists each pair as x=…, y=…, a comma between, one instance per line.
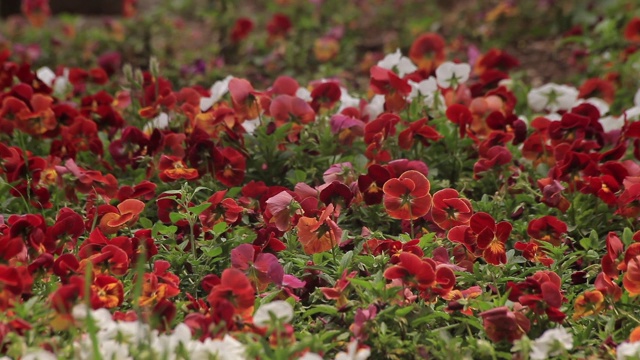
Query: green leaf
x=627, y=236
x=175, y=217
x=586, y=243
x=345, y=261
x=220, y=228
x=145, y=223
x=426, y=239
x=213, y=252
x=296, y=176
x=404, y=311
x=367, y=284
x=197, y=210
x=317, y=258
x=321, y=309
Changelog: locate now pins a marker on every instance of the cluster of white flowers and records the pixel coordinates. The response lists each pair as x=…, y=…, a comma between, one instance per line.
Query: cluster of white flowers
x=59, y=84
x=628, y=351
x=553, y=98
x=122, y=340
x=553, y=342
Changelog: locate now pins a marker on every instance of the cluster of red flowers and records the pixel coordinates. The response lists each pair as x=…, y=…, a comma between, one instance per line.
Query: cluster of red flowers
x=92, y=252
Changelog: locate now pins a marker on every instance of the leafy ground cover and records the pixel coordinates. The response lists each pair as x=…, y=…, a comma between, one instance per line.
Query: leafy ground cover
x=309, y=192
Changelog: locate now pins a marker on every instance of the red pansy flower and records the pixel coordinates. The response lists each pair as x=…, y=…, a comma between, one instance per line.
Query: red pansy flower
x=172, y=168
x=127, y=215
x=371, y=183
x=428, y=52
x=503, y=324
x=235, y=290
x=491, y=237
x=407, y=197
x=449, y=209
x=241, y=29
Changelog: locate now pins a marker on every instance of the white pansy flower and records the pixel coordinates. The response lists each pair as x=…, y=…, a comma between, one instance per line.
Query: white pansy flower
x=552, y=343
x=633, y=114
x=310, y=356
x=46, y=75
x=62, y=85
x=39, y=355
x=218, y=90
x=450, y=74
x=347, y=100
x=251, y=125
x=425, y=87
x=610, y=123
x=353, y=353
x=552, y=97
x=280, y=309
x=159, y=122
x=113, y=350
x=166, y=345
x=226, y=349
x=628, y=351
x=402, y=64
x=304, y=94
x=375, y=106
x=636, y=98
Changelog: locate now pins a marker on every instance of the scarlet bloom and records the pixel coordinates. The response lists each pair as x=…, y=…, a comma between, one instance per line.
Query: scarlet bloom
x=631, y=280
x=173, y=168
x=449, y=209
x=159, y=285
x=127, y=215
x=541, y=293
x=371, y=183
x=632, y=30
x=325, y=95
x=234, y=290
x=407, y=197
x=241, y=29
x=109, y=292
x=318, y=235
x=395, y=90
x=495, y=59
x=422, y=274
x=428, y=52
x=230, y=170
x=461, y=116
x=37, y=11
x=261, y=268
x=279, y=26
x=418, y=130
x=338, y=291
x=34, y=117
x=533, y=252
x=503, y=324
x=491, y=237
x=547, y=228
x=495, y=157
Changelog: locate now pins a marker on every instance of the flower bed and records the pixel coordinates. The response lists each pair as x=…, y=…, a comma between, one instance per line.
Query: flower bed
x=451, y=212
